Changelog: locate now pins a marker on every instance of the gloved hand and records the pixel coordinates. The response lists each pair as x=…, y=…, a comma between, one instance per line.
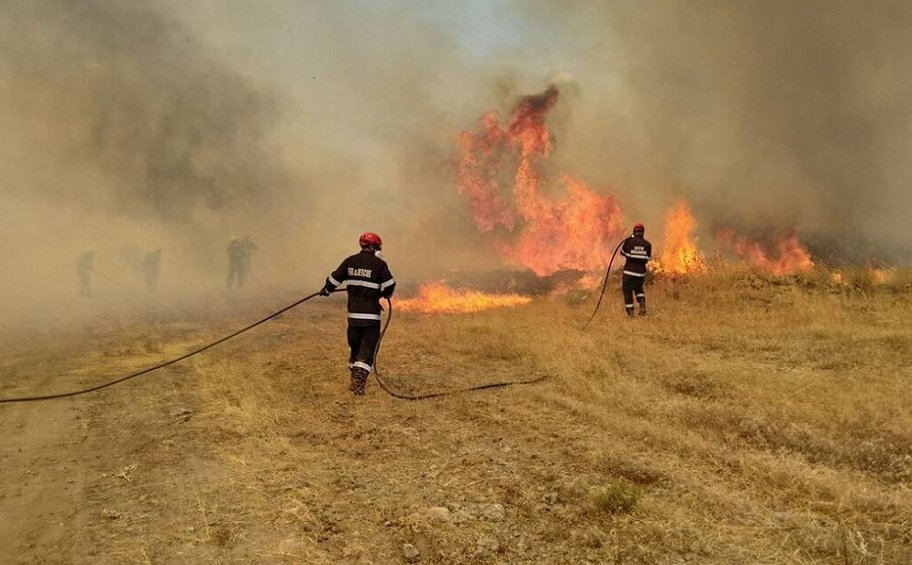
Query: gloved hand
x=324, y=291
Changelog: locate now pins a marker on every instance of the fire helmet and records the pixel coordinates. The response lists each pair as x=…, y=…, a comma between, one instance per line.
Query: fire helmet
x=639, y=228
x=370, y=239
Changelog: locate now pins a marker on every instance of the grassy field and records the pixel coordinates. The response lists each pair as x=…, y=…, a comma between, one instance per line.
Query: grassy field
x=747, y=419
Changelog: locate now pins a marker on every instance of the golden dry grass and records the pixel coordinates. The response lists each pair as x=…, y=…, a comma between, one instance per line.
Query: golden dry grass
x=747, y=419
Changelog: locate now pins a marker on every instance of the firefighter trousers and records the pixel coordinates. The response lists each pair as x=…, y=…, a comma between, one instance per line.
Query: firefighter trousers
x=363, y=339
x=632, y=287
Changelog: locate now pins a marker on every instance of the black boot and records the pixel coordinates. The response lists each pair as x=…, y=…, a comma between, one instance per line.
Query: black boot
x=360, y=379
x=354, y=379
x=642, y=309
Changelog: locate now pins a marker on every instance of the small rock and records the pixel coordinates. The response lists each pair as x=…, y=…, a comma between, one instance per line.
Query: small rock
x=410, y=552
x=494, y=512
x=440, y=513
x=110, y=514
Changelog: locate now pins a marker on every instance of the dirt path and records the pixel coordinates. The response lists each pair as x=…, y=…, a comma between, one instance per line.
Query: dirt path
x=42, y=478
x=42, y=469
x=62, y=461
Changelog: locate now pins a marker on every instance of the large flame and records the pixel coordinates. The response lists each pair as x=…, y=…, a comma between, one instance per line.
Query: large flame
x=544, y=233
x=786, y=257
x=680, y=254
x=438, y=298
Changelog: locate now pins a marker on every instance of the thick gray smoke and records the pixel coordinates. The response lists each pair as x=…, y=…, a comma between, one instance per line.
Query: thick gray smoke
x=120, y=129
x=178, y=124
x=767, y=114
x=121, y=93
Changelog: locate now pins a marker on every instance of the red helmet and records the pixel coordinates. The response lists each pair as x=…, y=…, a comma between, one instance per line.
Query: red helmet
x=639, y=227
x=370, y=239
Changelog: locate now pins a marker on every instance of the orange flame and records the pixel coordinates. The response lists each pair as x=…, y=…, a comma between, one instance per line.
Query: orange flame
x=438, y=298
x=680, y=254
x=791, y=257
x=879, y=276
x=541, y=232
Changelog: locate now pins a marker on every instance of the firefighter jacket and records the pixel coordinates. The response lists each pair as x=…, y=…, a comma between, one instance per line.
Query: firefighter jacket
x=638, y=251
x=367, y=279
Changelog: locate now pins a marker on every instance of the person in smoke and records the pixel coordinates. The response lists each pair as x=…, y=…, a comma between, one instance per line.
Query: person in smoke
x=368, y=279
x=84, y=269
x=638, y=251
x=247, y=249
x=236, y=262
x=150, y=264
x=240, y=251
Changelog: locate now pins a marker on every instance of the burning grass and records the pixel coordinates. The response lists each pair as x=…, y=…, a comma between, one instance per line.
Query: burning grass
x=750, y=418
x=439, y=298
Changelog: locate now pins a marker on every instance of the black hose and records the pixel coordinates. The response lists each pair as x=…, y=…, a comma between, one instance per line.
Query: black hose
x=249, y=327
x=605, y=283
x=160, y=365
x=425, y=396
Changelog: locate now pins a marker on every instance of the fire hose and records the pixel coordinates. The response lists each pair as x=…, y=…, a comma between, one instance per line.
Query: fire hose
x=394, y=394
x=605, y=283
x=247, y=328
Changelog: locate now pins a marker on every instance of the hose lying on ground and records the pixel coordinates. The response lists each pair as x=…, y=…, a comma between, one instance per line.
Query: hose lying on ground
x=425, y=396
x=239, y=332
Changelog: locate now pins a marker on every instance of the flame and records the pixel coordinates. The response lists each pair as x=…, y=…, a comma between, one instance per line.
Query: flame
x=539, y=231
x=680, y=255
x=438, y=298
x=876, y=275
x=879, y=276
x=790, y=256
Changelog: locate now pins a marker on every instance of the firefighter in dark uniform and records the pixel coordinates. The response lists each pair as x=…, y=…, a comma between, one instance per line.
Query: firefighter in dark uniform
x=368, y=279
x=638, y=251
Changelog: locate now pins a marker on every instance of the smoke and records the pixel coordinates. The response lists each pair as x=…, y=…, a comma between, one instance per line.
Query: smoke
x=121, y=130
x=178, y=124
x=768, y=115
x=123, y=111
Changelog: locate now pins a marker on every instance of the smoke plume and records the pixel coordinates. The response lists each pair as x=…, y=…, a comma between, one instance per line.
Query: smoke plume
x=768, y=115
x=178, y=124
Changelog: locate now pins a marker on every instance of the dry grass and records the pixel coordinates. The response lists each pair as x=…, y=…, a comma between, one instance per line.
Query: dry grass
x=748, y=419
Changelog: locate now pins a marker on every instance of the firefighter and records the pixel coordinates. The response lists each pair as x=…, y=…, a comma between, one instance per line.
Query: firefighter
x=638, y=251
x=236, y=261
x=367, y=279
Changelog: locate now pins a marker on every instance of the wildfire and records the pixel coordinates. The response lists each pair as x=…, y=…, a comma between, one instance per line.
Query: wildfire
x=790, y=256
x=438, y=298
x=680, y=254
x=544, y=233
